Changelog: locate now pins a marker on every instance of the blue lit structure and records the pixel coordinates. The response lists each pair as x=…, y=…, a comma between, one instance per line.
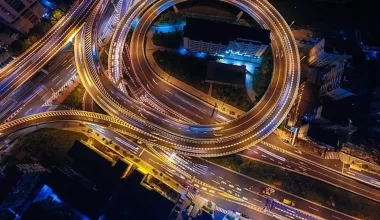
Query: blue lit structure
x=241, y=40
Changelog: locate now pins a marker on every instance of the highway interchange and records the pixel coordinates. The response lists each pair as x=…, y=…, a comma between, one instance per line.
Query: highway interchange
x=154, y=120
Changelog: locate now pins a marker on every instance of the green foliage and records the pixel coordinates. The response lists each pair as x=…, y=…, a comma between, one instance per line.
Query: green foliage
x=302, y=186
x=188, y=69
x=235, y=96
x=263, y=76
x=170, y=18
x=37, y=32
x=98, y=109
x=169, y=40
x=49, y=145
x=104, y=55
x=75, y=98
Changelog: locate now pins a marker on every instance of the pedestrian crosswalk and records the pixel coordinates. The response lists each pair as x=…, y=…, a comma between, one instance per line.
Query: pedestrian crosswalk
x=332, y=155
x=217, y=208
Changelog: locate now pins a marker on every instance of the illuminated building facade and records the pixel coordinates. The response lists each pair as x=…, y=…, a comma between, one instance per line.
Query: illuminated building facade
x=240, y=40
x=329, y=51
x=21, y=15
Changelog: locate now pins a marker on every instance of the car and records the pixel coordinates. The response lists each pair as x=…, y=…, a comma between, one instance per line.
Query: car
x=298, y=151
x=177, y=209
x=285, y=141
x=139, y=142
x=245, y=216
x=180, y=201
x=174, y=215
x=267, y=191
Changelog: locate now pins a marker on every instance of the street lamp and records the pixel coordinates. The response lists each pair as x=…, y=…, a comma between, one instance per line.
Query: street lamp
x=291, y=23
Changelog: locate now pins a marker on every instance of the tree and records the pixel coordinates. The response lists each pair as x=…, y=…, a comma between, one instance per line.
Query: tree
x=56, y=14
x=16, y=48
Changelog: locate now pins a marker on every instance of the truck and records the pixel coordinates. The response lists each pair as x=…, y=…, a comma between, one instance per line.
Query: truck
x=356, y=167
x=289, y=202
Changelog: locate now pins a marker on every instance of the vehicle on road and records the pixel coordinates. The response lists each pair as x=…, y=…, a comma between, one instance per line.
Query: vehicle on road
x=267, y=191
x=245, y=217
x=356, y=167
x=285, y=141
x=177, y=209
x=298, y=151
x=289, y=202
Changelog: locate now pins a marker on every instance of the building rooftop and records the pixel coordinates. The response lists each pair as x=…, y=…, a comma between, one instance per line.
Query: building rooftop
x=309, y=98
x=337, y=112
x=94, y=167
x=225, y=73
x=219, y=32
x=338, y=46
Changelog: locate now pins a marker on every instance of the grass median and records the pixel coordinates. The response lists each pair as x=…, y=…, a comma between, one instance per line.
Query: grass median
x=303, y=186
x=49, y=146
x=75, y=98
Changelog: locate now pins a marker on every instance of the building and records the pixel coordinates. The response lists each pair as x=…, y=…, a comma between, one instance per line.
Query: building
x=225, y=74
x=329, y=51
x=96, y=168
x=19, y=182
x=241, y=40
x=340, y=81
x=21, y=15
x=332, y=122
x=5, y=58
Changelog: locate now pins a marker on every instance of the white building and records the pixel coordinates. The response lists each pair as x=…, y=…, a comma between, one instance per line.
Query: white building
x=218, y=38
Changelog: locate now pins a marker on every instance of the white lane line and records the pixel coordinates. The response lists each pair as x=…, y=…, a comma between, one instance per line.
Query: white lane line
x=314, y=209
x=335, y=217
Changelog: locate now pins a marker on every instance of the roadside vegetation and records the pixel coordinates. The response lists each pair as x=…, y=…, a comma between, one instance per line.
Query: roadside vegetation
x=235, y=96
x=192, y=71
x=104, y=55
x=263, y=76
x=170, y=40
x=188, y=69
x=61, y=7
x=98, y=109
x=75, y=98
x=48, y=145
x=303, y=186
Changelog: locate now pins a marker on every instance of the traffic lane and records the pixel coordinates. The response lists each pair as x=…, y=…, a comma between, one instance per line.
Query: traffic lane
x=58, y=76
x=256, y=199
x=361, y=176
x=141, y=56
x=22, y=59
x=321, y=173
x=88, y=102
x=233, y=178
x=227, y=205
x=132, y=105
x=33, y=105
x=153, y=161
x=157, y=91
x=275, y=140
x=47, y=51
x=175, y=101
x=225, y=129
